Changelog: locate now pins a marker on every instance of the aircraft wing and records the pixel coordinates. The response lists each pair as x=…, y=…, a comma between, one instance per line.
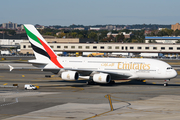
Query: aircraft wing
x=88, y=72
x=82, y=72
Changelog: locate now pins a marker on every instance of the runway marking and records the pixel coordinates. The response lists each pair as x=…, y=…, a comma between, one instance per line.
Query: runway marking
x=128, y=106
x=97, y=115
x=108, y=97
x=153, y=83
x=52, y=75
x=110, y=101
x=9, y=103
x=5, y=83
x=79, y=89
x=10, y=115
x=137, y=110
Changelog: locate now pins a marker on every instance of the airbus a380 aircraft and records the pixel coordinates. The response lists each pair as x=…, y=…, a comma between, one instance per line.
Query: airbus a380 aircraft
x=100, y=70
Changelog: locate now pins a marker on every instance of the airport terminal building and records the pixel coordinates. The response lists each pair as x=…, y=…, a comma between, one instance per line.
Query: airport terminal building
x=109, y=47
x=164, y=45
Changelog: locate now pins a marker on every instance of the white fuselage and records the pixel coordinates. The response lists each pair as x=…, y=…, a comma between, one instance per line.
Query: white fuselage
x=137, y=68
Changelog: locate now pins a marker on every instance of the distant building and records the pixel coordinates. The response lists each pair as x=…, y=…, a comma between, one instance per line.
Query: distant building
x=22, y=36
x=111, y=27
x=146, y=32
x=161, y=28
x=94, y=28
x=119, y=28
x=113, y=34
x=175, y=27
x=9, y=25
x=79, y=28
x=169, y=39
x=39, y=27
x=64, y=29
x=22, y=27
x=126, y=35
x=127, y=27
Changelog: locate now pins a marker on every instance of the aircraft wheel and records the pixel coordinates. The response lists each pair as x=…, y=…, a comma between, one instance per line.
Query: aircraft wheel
x=112, y=82
x=90, y=82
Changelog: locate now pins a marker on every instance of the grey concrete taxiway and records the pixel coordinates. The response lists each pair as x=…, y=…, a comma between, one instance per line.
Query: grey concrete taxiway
x=57, y=99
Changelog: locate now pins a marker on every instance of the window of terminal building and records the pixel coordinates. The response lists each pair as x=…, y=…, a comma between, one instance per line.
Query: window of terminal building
x=58, y=46
x=109, y=47
x=72, y=47
x=94, y=47
x=29, y=46
x=170, y=48
x=162, y=48
x=87, y=47
x=80, y=47
x=139, y=47
x=131, y=47
x=117, y=47
x=102, y=47
x=154, y=48
x=146, y=48
x=65, y=46
x=122, y=47
x=24, y=46
x=178, y=48
x=52, y=46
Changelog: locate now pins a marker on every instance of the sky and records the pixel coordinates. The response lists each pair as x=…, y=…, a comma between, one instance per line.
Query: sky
x=90, y=12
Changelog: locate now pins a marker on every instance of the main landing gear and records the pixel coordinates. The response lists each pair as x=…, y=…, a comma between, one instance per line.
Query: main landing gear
x=91, y=82
x=166, y=82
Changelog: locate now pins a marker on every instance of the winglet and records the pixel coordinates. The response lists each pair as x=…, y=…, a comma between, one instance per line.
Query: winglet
x=11, y=67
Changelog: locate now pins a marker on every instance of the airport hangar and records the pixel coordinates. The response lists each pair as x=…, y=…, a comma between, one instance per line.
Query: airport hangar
x=131, y=48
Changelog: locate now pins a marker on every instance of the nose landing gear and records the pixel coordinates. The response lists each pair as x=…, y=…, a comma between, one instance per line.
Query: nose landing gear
x=166, y=82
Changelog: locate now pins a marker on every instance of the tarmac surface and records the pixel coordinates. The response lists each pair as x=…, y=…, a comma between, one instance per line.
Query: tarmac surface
x=57, y=99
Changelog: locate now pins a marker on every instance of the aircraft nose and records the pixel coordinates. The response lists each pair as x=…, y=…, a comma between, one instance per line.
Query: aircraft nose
x=174, y=73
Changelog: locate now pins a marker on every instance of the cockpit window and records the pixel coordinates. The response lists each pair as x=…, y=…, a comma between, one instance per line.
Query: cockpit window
x=169, y=68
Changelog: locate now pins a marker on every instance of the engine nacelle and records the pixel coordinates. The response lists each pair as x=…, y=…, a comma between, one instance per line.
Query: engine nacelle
x=101, y=78
x=69, y=75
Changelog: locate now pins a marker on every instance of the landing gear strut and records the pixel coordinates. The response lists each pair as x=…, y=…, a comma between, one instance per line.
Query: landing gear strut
x=91, y=82
x=111, y=82
x=166, y=82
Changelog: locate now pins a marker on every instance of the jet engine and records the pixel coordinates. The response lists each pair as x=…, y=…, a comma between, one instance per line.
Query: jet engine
x=69, y=75
x=101, y=78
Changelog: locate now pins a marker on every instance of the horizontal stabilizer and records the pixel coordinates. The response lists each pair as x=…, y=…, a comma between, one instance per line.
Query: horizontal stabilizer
x=10, y=67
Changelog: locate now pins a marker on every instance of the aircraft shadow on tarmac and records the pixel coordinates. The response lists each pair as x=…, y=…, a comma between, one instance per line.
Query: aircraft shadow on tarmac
x=133, y=82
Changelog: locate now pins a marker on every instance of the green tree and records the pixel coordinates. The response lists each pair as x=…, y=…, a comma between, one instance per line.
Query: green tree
x=80, y=36
x=74, y=34
x=120, y=38
x=177, y=32
x=61, y=35
x=92, y=35
x=12, y=32
x=178, y=41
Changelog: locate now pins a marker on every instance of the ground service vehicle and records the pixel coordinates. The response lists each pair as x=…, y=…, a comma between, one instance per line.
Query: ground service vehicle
x=30, y=87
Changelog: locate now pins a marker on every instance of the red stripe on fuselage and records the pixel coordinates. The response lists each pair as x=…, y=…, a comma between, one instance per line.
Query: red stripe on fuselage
x=51, y=54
